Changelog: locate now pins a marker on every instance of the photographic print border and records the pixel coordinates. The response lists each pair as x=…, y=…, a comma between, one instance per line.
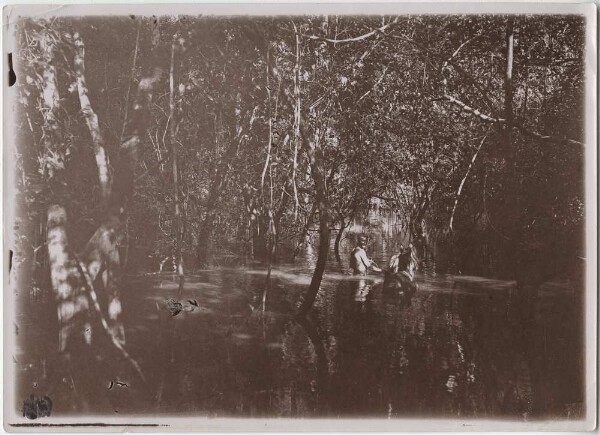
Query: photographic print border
x=16, y=423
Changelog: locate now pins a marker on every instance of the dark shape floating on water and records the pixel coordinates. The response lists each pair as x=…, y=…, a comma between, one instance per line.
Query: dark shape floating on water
x=399, y=282
x=174, y=306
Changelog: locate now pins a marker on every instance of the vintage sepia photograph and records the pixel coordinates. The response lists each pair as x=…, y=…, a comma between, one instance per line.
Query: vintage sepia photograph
x=300, y=217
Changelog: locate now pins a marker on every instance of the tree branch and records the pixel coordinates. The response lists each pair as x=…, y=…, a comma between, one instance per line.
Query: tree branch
x=458, y=68
x=462, y=183
x=447, y=61
x=518, y=126
x=354, y=39
x=375, y=85
x=547, y=138
x=484, y=117
x=472, y=110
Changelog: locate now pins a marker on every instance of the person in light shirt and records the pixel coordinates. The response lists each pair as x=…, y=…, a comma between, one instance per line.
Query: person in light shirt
x=359, y=260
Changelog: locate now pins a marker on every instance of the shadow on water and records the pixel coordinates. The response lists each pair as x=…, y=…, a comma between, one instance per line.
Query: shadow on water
x=475, y=350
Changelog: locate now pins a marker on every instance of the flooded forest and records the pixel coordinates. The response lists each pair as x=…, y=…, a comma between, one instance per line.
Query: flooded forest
x=190, y=194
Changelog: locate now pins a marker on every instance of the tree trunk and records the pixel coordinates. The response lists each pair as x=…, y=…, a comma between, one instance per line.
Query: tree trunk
x=508, y=87
x=72, y=303
x=304, y=237
x=318, y=173
x=218, y=186
x=323, y=253
x=338, y=238
x=91, y=119
x=177, y=227
x=73, y=306
x=204, y=238
x=73, y=276
x=518, y=256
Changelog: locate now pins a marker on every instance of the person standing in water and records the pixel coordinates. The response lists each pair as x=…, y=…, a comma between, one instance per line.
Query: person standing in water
x=411, y=265
x=359, y=261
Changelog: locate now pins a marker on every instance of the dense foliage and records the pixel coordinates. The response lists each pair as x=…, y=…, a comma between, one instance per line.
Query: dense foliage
x=267, y=128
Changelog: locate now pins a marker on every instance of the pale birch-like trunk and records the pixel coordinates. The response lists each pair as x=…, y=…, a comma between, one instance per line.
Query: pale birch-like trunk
x=91, y=118
x=72, y=304
x=70, y=273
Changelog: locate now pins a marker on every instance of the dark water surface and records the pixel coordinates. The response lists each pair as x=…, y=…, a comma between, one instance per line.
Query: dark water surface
x=477, y=350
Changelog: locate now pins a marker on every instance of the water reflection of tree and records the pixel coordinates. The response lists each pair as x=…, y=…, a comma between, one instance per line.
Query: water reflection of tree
x=437, y=364
x=321, y=386
x=453, y=355
x=303, y=370
x=358, y=361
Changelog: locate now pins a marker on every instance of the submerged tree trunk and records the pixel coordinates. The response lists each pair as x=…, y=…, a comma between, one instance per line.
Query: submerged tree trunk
x=316, y=161
x=323, y=253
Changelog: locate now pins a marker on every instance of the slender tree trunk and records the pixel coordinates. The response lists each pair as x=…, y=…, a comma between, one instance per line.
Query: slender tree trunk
x=416, y=222
x=218, y=186
x=508, y=87
x=204, y=237
x=177, y=227
x=338, y=238
x=91, y=119
x=303, y=239
x=323, y=253
x=283, y=202
x=297, y=107
x=271, y=237
x=318, y=173
x=522, y=266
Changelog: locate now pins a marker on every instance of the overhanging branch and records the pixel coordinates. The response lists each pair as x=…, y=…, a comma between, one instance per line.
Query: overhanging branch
x=373, y=32
x=547, y=138
x=472, y=110
x=448, y=61
x=518, y=126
